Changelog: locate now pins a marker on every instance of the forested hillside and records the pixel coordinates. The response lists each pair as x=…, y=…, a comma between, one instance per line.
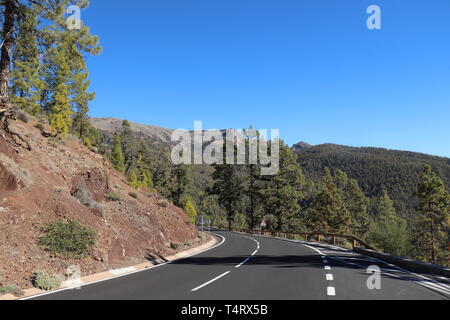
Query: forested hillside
x=376, y=169
x=369, y=192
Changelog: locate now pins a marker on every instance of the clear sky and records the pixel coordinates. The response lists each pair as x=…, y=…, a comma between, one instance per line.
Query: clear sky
x=310, y=68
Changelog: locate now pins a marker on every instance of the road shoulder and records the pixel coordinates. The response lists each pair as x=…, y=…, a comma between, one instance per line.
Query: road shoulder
x=211, y=242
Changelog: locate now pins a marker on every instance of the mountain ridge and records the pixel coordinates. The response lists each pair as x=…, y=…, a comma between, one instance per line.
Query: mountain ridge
x=376, y=169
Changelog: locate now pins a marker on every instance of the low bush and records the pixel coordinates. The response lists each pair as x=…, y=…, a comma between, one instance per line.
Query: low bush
x=44, y=281
x=112, y=196
x=69, y=239
x=174, y=245
x=12, y=289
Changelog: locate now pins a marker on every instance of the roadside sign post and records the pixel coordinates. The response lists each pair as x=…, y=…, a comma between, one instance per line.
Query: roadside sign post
x=263, y=226
x=201, y=222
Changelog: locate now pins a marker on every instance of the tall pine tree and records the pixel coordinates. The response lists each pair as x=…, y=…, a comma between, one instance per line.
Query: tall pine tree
x=282, y=192
x=432, y=228
x=328, y=213
x=390, y=233
x=117, y=157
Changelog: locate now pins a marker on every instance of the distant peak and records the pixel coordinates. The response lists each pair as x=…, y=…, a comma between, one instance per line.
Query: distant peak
x=301, y=146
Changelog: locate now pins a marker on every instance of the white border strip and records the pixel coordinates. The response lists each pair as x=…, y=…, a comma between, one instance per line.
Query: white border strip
x=127, y=274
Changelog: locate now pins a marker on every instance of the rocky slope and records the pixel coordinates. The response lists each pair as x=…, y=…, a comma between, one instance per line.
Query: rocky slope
x=51, y=183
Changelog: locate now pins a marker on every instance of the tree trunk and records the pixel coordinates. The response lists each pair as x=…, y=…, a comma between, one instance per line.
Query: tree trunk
x=433, y=253
x=5, y=60
x=7, y=112
x=230, y=217
x=252, y=198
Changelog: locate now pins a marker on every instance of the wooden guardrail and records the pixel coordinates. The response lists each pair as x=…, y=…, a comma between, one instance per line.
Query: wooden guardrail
x=332, y=237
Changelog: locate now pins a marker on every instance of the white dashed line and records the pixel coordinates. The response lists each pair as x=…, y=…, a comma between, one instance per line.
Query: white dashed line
x=330, y=277
x=331, y=291
x=242, y=263
x=211, y=281
x=238, y=266
x=327, y=268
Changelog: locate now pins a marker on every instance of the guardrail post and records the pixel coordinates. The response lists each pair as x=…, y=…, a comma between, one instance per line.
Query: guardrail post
x=354, y=243
x=334, y=241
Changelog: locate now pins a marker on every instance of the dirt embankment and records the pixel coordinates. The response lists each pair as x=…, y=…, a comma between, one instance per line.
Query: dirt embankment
x=67, y=181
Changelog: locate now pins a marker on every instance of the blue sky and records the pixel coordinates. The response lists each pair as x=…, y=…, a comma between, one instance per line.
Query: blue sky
x=310, y=68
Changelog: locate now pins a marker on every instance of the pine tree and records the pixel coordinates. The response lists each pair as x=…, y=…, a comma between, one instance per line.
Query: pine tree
x=117, y=157
x=356, y=203
x=282, y=192
x=432, y=229
x=390, y=233
x=60, y=117
x=80, y=101
x=191, y=211
x=183, y=184
x=144, y=176
x=26, y=84
x=228, y=188
x=252, y=182
x=133, y=180
x=329, y=213
x=41, y=23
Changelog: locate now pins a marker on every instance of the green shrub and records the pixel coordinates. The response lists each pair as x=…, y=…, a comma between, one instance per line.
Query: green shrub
x=70, y=239
x=174, y=245
x=133, y=195
x=12, y=289
x=112, y=196
x=44, y=281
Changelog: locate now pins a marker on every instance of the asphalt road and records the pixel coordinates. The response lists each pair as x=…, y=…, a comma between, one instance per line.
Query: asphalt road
x=247, y=267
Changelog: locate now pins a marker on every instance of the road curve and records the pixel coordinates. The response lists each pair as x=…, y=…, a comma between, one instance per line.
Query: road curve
x=248, y=267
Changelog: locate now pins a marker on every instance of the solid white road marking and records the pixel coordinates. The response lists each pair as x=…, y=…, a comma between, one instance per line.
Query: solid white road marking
x=124, y=275
x=211, y=281
x=329, y=277
x=427, y=283
x=430, y=283
x=331, y=291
